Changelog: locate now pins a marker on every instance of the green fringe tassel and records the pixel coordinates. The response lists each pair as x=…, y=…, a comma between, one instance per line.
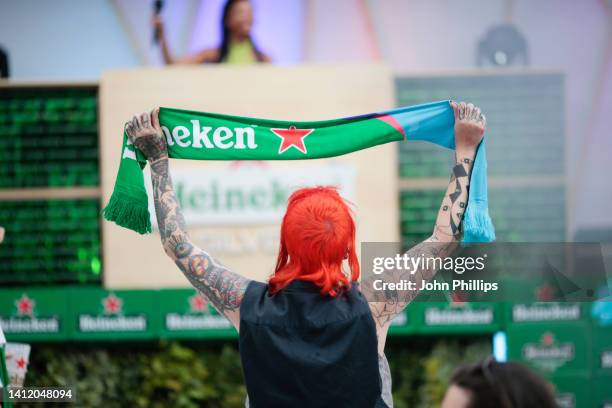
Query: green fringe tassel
x=123, y=212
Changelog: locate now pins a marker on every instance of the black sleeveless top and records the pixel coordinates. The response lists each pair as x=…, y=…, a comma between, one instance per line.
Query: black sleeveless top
x=301, y=349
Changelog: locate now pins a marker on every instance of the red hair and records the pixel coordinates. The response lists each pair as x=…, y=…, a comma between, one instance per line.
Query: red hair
x=317, y=233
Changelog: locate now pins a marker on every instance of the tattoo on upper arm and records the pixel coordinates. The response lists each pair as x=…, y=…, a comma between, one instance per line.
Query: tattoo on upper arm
x=223, y=288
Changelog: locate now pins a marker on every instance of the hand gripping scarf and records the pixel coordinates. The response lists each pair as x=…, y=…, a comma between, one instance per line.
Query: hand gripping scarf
x=211, y=136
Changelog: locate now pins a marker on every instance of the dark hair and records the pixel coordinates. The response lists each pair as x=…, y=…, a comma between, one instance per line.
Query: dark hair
x=225, y=34
x=504, y=385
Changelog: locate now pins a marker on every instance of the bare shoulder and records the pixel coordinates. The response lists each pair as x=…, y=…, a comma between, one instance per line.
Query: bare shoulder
x=201, y=57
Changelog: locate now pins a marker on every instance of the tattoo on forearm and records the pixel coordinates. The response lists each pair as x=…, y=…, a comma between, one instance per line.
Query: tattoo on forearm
x=223, y=288
x=447, y=233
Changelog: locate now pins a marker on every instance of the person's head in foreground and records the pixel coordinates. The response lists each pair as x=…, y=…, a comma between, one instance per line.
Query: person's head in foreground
x=493, y=384
x=317, y=235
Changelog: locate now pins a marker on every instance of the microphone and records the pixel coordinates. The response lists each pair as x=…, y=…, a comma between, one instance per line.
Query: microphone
x=157, y=8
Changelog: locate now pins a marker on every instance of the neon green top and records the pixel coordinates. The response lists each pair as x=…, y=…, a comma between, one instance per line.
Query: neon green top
x=241, y=53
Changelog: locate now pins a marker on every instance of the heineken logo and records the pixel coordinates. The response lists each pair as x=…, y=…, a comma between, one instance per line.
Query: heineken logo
x=89, y=323
x=548, y=354
x=112, y=304
x=527, y=313
x=176, y=321
x=606, y=359
x=25, y=306
x=26, y=321
x=112, y=318
x=292, y=137
x=438, y=317
x=198, y=317
x=205, y=137
x=197, y=304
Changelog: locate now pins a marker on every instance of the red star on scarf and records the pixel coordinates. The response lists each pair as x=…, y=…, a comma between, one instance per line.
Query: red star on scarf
x=292, y=137
x=197, y=303
x=25, y=305
x=21, y=363
x=112, y=304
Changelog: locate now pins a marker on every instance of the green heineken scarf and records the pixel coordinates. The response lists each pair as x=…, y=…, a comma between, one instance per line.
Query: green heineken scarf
x=211, y=136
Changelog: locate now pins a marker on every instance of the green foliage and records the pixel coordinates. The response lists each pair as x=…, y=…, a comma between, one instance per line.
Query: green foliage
x=182, y=375
x=132, y=375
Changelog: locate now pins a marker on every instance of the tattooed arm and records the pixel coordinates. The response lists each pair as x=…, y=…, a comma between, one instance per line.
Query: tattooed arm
x=469, y=131
x=222, y=288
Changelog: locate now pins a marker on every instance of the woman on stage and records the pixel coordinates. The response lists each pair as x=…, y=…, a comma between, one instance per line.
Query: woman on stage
x=237, y=45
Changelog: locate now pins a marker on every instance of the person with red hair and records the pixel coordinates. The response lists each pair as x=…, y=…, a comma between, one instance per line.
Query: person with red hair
x=309, y=337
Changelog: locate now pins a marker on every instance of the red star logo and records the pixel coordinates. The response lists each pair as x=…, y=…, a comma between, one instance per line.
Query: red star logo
x=459, y=297
x=547, y=339
x=21, y=362
x=112, y=304
x=197, y=303
x=292, y=137
x=25, y=305
x=545, y=293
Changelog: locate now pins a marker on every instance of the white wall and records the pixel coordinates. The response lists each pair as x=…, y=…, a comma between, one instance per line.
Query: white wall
x=62, y=39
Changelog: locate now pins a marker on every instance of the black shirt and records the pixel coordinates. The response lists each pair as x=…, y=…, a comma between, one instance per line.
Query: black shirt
x=302, y=349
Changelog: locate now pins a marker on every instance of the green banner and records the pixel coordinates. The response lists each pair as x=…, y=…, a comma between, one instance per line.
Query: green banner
x=573, y=391
x=456, y=318
x=185, y=313
x=602, y=391
x=602, y=350
x=403, y=323
x=114, y=315
x=34, y=314
x=554, y=348
x=537, y=313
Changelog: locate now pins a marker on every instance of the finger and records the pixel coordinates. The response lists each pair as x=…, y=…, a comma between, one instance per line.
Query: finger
x=461, y=110
x=145, y=120
x=129, y=129
x=155, y=118
x=469, y=111
x=135, y=123
x=474, y=113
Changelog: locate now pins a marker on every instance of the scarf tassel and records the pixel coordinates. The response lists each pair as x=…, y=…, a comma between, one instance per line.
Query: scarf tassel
x=126, y=212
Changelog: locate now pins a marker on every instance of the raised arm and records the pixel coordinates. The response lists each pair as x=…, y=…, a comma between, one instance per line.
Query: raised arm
x=469, y=131
x=223, y=289
x=207, y=55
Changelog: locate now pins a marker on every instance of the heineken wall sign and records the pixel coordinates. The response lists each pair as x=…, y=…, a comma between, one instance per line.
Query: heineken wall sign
x=552, y=348
x=186, y=313
x=546, y=312
x=249, y=193
x=437, y=317
x=114, y=315
x=33, y=314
